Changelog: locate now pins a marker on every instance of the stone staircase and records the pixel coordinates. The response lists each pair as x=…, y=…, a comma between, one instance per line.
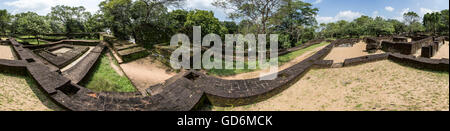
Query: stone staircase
x=124, y=50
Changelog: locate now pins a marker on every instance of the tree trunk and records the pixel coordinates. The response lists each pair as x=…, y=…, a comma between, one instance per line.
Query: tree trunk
x=37, y=39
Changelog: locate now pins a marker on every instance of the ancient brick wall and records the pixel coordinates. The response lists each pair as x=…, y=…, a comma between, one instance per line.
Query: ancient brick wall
x=420, y=62
x=365, y=59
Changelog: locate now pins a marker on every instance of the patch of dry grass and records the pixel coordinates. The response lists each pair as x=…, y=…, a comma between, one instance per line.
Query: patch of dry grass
x=378, y=86
x=20, y=93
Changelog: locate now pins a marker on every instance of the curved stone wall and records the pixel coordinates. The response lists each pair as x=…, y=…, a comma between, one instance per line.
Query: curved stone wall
x=183, y=93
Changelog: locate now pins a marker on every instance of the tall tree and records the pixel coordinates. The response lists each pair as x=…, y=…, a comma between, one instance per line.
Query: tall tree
x=5, y=20
x=30, y=23
x=399, y=27
x=72, y=18
x=118, y=17
x=431, y=21
x=444, y=22
x=207, y=21
x=411, y=19
x=257, y=11
x=292, y=17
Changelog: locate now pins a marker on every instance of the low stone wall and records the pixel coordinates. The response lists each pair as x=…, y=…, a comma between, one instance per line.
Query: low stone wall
x=400, y=39
x=346, y=42
x=374, y=43
x=420, y=62
x=365, y=59
x=323, y=64
x=82, y=68
x=65, y=58
x=242, y=92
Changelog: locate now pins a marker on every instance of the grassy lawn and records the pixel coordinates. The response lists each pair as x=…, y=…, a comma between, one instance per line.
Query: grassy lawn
x=281, y=60
x=31, y=41
x=104, y=78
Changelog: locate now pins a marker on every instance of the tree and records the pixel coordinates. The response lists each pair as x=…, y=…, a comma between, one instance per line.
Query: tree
x=177, y=18
x=207, y=21
x=292, y=17
x=382, y=27
x=444, y=22
x=399, y=27
x=72, y=18
x=431, y=21
x=5, y=20
x=232, y=27
x=144, y=20
x=30, y=23
x=411, y=19
x=257, y=11
x=362, y=25
x=94, y=23
x=117, y=17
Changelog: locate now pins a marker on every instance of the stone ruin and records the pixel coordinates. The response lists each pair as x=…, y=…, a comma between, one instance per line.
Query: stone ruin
x=182, y=92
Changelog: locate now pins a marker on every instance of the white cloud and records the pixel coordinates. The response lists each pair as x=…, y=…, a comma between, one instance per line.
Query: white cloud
x=389, y=8
x=424, y=11
x=375, y=14
x=317, y=2
x=406, y=10
x=43, y=7
x=343, y=15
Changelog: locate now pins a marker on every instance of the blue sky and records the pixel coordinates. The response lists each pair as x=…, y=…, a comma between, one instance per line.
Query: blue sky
x=330, y=10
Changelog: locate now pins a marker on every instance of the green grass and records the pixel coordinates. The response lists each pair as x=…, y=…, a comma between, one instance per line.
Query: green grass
x=288, y=57
x=105, y=79
x=31, y=41
x=281, y=60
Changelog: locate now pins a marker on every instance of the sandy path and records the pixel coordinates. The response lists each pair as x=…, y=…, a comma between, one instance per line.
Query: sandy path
x=339, y=54
x=255, y=74
x=443, y=52
x=377, y=86
x=6, y=52
x=146, y=72
x=18, y=93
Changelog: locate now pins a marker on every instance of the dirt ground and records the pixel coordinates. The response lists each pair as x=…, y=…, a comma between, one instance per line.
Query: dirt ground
x=339, y=54
x=378, y=86
x=443, y=52
x=6, y=52
x=146, y=72
x=255, y=74
x=20, y=93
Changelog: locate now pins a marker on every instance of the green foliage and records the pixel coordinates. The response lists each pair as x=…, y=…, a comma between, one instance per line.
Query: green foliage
x=5, y=19
x=399, y=27
x=73, y=19
x=258, y=12
x=117, y=17
x=232, y=27
x=177, y=18
x=30, y=23
x=412, y=20
x=295, y=19
x=436, y=22
x=444, y=23
x=105, y=78
x=207, y=21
